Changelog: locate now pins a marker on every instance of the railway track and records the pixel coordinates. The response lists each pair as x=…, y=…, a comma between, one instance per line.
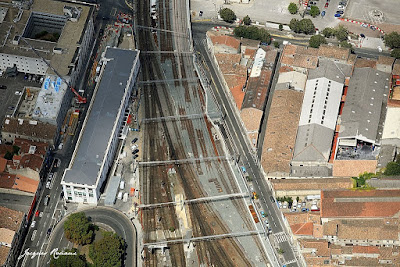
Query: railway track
x=155, y=184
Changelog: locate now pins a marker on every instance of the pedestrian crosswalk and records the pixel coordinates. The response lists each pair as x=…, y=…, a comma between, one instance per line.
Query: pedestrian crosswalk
x=280, y=237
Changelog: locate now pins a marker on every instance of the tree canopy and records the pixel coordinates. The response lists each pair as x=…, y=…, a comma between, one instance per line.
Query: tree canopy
x=328, y=32
x=317, y=40
x=395, y=53
x=314, y=11
x=227, y=15
x=247, y=20
x=69, y=260
x=341, y=33
x=108, y=251
x=78, y=229
x=293, y=8
x=346, y=44
x=392, y=168
x=253, y=32
x=302, y=26
x=392, y=40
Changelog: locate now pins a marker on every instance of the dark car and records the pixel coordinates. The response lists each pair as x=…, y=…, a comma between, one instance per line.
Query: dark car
x=272, y=199
x=47, y=200
x=135, y=151
x=339, y=12
x=101, y=32
x=3, y=87
x=135, y=156
x=134, y=140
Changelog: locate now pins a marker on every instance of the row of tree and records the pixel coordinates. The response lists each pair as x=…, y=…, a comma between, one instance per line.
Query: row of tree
x=107, y=251
x=302, y=26
x=253, y=32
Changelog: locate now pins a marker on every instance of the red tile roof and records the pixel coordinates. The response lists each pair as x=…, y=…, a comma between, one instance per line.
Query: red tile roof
x=352, y=168
x=25, y=184
x=251, y=118
x=3, y=164
x=10, y=219
x=31, y=161
x=4, y=254
x=302, y=228
x=225, y=40
x=360, y=204
x=25, y=145
x=366, y=249
x=7, y=180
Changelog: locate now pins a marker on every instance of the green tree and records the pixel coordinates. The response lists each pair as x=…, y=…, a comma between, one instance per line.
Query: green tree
x=247, y=20
x=294, y=25
x=395, y=53
x=314, y=11
x=307, y=26
x=392, y=40
x=293, y=8
x=317, y=40
x=280, y=27
x=69, y=260
x=328, y=32
x=227, y=15
x=253, y=32
x=78, y=229
x=297, y=198
x=346, y=44
x=276, y=44
x=392, y=168
x=16, y=150
x=341, y=33
x=108, y=251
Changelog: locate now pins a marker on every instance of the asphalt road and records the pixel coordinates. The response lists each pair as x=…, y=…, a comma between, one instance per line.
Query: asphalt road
x=247, y=158
x=101, y=216
x=16, y=202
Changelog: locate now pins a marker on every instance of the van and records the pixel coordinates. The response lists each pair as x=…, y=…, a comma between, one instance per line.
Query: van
x=122, y=185
x=119, y=195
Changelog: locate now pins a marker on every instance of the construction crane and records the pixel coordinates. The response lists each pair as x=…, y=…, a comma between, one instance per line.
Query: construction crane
x=79, y=99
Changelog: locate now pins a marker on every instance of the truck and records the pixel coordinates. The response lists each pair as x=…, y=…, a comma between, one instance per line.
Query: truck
x=253, y=213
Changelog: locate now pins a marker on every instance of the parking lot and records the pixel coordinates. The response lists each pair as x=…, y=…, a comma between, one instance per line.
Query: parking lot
x=9, y=97
x=374, y=11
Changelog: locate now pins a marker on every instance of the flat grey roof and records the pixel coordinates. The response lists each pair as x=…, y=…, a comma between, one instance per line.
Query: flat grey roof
x=331, y=70
x=100, y=122
x=112, y=190
x=367, y=93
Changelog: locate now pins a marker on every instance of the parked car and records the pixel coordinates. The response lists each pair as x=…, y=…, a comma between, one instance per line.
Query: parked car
x=341, y=7
x=37, y=213
x=304, y=209
x=340, y=12
x=47, y=200
x=33, y=224
x=134, y=140
x=48, y=185
x=135, y=156
x=135, y=151
x=3, y=87
x=323, y=14
x=326, y=4
x=337, y=15
x=263, y=214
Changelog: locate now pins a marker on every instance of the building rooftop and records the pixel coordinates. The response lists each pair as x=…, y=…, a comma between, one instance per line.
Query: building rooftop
x=281, y=131
x=391, y=130
x=330, y=70
x=311, y=184
x=225, y=40
x=49, y=99
x=4, y=254
x=321, y=247
x=297, y=56
x=302, y=228
x=295, y=79
x=334, y=52
x=360, y=204
x=313, y=143
x=365, y=63
x=251, y=118
x=257, y=90
x=363, y=229
x=99, y=125
x=31, y=147
x=353, y=168
x=385, y=60
x=6, y=235
x=24, y=127
x=10, y=219
x=367, y=93
x=68, y=41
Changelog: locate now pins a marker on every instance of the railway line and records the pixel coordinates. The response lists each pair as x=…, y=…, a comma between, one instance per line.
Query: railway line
x=164, y=142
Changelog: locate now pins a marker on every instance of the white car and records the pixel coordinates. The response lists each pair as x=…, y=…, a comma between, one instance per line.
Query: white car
x=48, y=185
x=340, y=7
x=33, y=224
